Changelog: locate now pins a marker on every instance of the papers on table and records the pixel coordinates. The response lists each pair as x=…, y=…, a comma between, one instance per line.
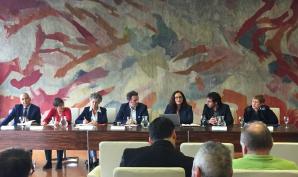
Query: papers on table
x=270, y=128
x=132, y=125
x=219, y=128
x=113, y=127
x=190, y=125
x=28, y=123
x=7, y=127
x=85, y=127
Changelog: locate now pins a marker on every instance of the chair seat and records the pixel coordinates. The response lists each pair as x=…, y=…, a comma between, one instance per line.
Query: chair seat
x=96, y=172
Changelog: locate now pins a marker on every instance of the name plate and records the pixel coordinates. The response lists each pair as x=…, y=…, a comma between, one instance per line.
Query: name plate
x=36, y=128
x=190, y=125
x=270, y=128
x=219, y=128
x=86, y=127
x=7, y=127
x=122, y=128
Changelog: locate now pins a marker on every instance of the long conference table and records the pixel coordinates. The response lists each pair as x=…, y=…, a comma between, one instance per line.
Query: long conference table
x=72, y=138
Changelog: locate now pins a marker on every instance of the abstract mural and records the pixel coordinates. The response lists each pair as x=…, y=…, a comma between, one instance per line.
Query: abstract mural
x=70, y=48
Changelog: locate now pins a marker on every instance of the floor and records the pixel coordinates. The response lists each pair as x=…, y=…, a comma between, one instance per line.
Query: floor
x=68, y=169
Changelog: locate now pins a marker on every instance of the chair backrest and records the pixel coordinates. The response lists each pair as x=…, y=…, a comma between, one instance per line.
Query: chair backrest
x=234, y=114
x=277, y=113
x=149, y=172
x=111, y=154
x=287, y=151
x=75, y=112
x=265, y=173
x=111, y=114
x=191, y=149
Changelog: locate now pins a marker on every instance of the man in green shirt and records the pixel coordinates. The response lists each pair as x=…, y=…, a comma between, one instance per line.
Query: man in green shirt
x=256, y=142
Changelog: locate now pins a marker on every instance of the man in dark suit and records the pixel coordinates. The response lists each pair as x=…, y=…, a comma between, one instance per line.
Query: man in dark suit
x=25, y=109
x=133, y=109
x=162, y=152
x=213, y=108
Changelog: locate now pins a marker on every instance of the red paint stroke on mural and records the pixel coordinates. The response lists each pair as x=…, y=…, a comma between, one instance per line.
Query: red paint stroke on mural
x=192, y=52
x=275, y=102
x=26, y=81
x=252, y=20
x=237, y=98
x=90, y=76
x=7, y=68
x=7, y=102
x=150, y=99
x=202, y=66
x=200, y=83
x=85, y=101
x=281, y=26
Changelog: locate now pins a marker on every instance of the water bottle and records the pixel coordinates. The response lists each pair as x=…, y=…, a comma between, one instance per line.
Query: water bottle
x=63, y=121
x=144, y=122
x=203, y=121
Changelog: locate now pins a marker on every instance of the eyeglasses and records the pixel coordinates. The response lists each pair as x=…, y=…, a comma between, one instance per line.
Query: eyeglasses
x=177, y=97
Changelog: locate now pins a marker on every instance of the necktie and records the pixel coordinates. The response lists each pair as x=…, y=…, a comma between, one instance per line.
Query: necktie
x=25, y=112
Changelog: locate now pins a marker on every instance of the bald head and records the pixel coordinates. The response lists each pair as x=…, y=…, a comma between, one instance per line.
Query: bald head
x=256, y=137
x=25, y=99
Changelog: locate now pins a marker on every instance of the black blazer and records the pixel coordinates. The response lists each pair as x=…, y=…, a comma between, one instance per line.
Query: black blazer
x=160, y=154
x=124, y=112
x=223, y=110
x=264, y=114
x=185, y=113
x=87, y=114
x=17, y=111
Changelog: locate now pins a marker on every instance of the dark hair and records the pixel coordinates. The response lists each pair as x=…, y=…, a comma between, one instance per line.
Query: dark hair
x=260, y=98
x=58, y=102
x=96, y=96
x=172, y=102
x=15, y=163
x=161, y=128
x=130, y=94
x=256, y=138
x=215, y=97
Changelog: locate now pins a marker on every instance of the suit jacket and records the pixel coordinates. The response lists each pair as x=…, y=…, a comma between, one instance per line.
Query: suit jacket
x=185, y=113
x=124, y=112
x=264, y=114
x=87, y=114
x=17, y=111
x=223, y=110
x=160, y=154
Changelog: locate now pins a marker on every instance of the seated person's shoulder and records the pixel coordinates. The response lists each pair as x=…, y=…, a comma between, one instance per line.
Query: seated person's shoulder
x=286, y=164
x=103, y=109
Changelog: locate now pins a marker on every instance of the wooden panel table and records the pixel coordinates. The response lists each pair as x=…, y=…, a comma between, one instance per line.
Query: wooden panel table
x=47, y=138
x=74, y=139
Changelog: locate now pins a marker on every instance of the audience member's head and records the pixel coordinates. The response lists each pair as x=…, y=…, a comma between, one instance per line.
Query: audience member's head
x=257, y=101
x=213, y=100
x=95, y=99
x=162, y=128
x=15, y=163
x=25, y=99
x=212, y=160
x=256, y=139
x=132, y=98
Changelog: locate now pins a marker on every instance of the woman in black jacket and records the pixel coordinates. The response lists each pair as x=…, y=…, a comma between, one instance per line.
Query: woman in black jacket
x=258, y=111
x=178, y=105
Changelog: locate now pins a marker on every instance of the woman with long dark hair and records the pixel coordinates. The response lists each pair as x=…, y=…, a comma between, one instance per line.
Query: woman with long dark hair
x=178, y=105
